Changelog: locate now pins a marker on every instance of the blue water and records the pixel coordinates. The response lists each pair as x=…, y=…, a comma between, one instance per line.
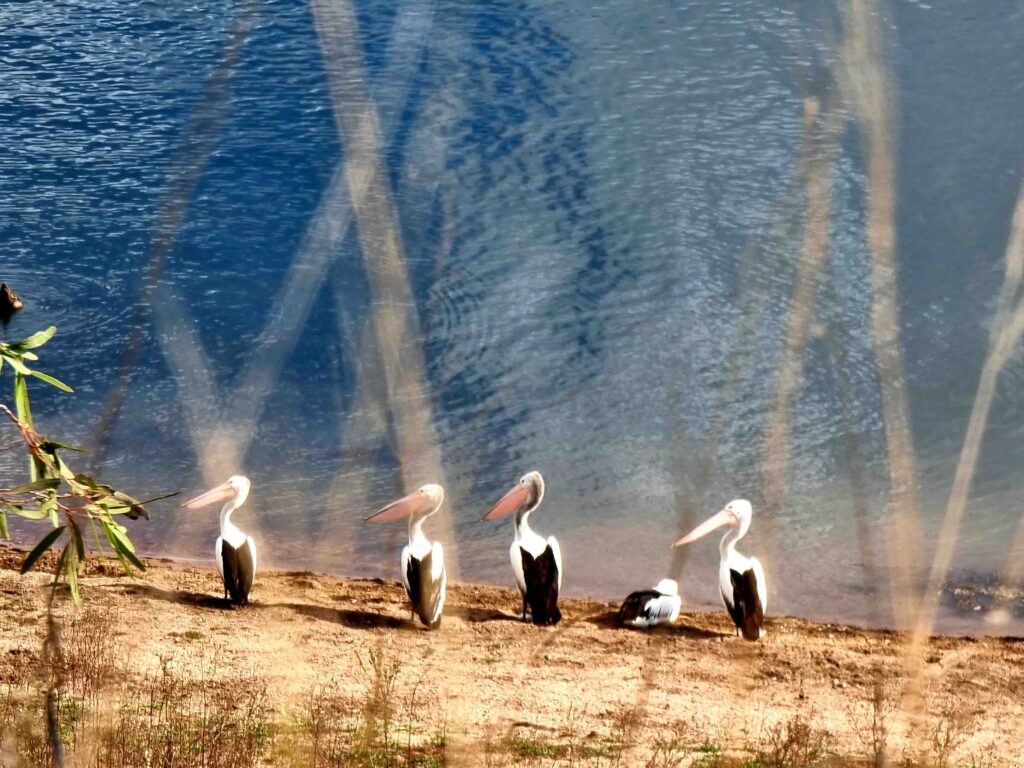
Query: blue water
x=587, y=197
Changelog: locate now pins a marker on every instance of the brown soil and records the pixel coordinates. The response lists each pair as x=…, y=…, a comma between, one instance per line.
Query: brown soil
x=484, y=673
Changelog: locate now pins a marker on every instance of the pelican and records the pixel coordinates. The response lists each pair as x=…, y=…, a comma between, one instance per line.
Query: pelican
x=740, y=578
x=234, y=551
x=537, y=562
x=422, y=560
x=649, y=607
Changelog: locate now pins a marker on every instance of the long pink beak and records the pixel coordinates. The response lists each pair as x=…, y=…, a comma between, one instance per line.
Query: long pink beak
x=725, y=517
x=222, y=492
x=405, y=506
x=510, y=502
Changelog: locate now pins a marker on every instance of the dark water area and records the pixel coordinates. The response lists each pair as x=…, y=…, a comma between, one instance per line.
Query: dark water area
x=588, y=198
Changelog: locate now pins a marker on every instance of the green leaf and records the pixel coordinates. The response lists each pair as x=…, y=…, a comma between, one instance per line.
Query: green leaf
x=68, y=565
x=159, y=498
x=50, y=380
x=79, y=542
x=32, y=514
x=71, y=574
x=21, y=400
x=124, y=546
x=36, y=485
x=105, y=523
x=3, y=525
x=37, y=552
x=96, y=537
x=89, y=482
x=63, y=468
x=51, y=445
x=29, y=356
x=35, y=340
x=19, y=366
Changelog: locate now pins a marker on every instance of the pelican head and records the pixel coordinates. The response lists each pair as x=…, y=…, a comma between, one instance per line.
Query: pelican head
x=736, y=513
x=420, y=504
x=667, y=587
x=236, y=489
x=523, y=498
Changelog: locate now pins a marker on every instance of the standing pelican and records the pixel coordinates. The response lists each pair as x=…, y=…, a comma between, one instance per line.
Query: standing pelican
x=422, y=560
x=648, y=607
x=235, y=552
x=537, y=562
x=740, y=578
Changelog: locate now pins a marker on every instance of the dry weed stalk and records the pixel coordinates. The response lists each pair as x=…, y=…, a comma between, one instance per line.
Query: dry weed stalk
x=794, y=742
x=873, y=720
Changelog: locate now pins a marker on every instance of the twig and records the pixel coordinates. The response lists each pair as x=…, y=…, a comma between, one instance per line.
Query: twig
x=51, y=653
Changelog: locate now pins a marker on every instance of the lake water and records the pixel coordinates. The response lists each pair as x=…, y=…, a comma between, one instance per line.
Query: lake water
x=587, y=199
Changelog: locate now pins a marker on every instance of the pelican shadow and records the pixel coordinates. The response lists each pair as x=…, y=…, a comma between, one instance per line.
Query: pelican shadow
x=347, y=616
x=178, y=597
x=476, y=615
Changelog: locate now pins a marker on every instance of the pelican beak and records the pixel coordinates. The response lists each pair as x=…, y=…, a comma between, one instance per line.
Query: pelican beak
x=407, y=505
x=512, y=501
x=725, y=517
x=222, y=492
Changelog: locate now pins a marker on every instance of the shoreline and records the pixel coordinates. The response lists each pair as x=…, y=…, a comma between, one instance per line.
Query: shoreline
x=971, y=628
x=485, y=677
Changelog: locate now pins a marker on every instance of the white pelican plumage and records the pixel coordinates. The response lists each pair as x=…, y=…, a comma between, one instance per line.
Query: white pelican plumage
x=648, y=607
x=536, y=562
x=740, y=579
x=234, y=551
x=423, y=570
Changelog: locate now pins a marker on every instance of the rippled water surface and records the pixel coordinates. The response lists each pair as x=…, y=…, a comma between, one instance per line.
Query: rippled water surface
x=599, y=209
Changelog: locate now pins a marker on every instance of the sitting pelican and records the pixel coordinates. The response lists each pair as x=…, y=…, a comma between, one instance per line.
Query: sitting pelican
x=740, y=579
x=537, y=562
x=235, y=552
x=422, y=560
x=648, y=607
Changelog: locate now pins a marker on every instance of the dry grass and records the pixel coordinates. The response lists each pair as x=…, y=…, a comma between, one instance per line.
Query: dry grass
x=107, y=719
x=874, y=719
x=180, y=714
x=380, y=730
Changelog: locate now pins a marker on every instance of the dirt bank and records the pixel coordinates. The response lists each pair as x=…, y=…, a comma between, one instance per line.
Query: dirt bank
x=485, y=676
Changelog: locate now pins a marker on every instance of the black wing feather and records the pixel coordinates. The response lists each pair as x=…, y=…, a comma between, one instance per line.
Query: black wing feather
x=635, y=606
x=238, y=571
x=541, y=576
x=746, y=609
x=424, y=592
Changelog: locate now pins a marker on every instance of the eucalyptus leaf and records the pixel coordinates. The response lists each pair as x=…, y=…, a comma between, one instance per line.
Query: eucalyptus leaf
x=36, y=485
x=68, y=565
x=21, y=399
x=109, y=533
x=35, y=340
x=52, y=445
x=19, y=366
x=124, y=546
x=37, y=552
x=50, y=380
x=79, y=542
x=32, y=514
x=89, y=482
